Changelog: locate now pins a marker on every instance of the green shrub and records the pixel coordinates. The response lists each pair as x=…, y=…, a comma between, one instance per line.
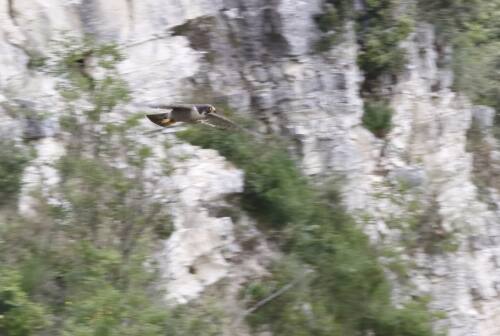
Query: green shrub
x=102, y=93
x=325, y=42
x=346, y=293
x=19, y=316
x=328, y=20
x=452, y=17
x=472, y=28
x=83, y=257
x=379, y=33
x=377, y=117
x=477, y=69
x=331, y=22
x=13, y=160
x=110, y=311
x=274, y=188
x=380, y=52
x=203, y=318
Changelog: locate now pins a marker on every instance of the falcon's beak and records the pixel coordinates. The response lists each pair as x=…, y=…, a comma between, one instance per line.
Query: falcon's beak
x=160, y=119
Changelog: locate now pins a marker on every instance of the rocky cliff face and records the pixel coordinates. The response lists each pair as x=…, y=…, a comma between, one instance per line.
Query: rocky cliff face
x=259, y=58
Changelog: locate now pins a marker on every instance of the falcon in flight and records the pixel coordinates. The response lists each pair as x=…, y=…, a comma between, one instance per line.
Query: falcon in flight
x=192, y=113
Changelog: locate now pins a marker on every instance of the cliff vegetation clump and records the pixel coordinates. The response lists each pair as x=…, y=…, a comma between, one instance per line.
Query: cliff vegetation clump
x=379, y=31
x=83, y=265
x=339, y=288
x=472, y=29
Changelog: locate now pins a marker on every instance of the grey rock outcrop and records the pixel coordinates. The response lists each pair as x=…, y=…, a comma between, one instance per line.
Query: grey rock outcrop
x=483, y=116
x=258, y=57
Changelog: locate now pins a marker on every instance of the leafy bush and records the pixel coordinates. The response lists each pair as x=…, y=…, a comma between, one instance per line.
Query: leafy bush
x=79, y=266
x=19, y=316
x=380, y=51
x=346, y=292
x=103, y=92
x=472, y=28
x=477, y=71
x=274, y=188
x=12, y=163
x=331, y=22
x=451, y=16
x=325, y=42
x=377, y=117
x=379, y=33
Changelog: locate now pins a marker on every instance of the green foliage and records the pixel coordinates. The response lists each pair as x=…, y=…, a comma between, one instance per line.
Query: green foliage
x=79, y=266
x=298, y=311
x=325, y=42
x=19, y=316
x=452, y=17
x=274, y=188
x=109, y=311
x=105, y=91
x=472, y=28
x=197, y=319
x=483, y=172
x=380, y=31
x=420, y=225
x=106, y=213
x=331, y=18
x=36, y=61
x=411, y=320
x=331, y=22
x=346, y=293
x=14, y=159
x=477, y=69
x=377, y=117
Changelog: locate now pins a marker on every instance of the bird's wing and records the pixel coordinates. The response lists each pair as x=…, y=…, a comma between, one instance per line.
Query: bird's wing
x=220, y=121
x=178, y=107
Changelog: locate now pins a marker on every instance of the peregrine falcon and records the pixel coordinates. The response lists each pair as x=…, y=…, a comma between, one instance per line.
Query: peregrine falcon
x=192, y=113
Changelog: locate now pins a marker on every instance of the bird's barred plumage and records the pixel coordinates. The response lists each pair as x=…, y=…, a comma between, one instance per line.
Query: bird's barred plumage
x=194, y=114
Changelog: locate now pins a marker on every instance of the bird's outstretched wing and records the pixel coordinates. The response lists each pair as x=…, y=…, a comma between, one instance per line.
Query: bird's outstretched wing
x=177, y=107
x=220, y=121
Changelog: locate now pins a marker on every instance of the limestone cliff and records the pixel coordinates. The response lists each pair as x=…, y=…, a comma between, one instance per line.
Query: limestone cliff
x=258, y=57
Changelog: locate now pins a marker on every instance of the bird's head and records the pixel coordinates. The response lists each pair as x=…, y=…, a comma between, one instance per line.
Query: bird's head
x=203, y=109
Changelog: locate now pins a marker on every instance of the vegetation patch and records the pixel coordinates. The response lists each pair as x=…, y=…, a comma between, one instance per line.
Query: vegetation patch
x=377, y=117
x=339, y=288
x=419, y=223
x=19, y=315
x=331, y=22
x=472, y=28
x=485, y=176
x=379, y=32
x=274, y=187
x=83, y=265
x=13, y=160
